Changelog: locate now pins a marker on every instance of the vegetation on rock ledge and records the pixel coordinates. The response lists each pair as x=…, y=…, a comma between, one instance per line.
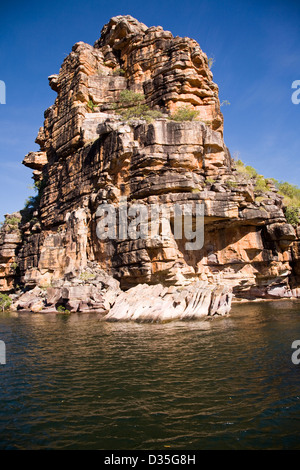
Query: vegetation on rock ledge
x=5, y=302
x=131, y=106
x=184, y=113
x=290, y=192
x=33, y=202
x=12, y=223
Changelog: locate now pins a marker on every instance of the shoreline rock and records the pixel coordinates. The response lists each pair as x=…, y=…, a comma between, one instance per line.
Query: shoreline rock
x=144, y=303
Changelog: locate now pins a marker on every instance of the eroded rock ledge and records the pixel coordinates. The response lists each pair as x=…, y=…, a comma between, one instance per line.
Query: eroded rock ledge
x=95, y=291
x=89, y=156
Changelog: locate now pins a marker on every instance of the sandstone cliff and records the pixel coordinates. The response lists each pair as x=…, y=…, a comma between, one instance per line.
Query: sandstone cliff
x=89, y=154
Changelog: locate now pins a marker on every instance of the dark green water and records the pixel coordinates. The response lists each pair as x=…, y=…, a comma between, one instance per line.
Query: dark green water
x=74, y=382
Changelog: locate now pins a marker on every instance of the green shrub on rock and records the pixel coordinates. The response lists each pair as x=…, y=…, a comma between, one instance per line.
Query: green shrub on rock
x=261, y=184
x=62, y=309
x=92, y=106
x=292, y=215
x=184, y=113
x=131, y=106
x=5, y=302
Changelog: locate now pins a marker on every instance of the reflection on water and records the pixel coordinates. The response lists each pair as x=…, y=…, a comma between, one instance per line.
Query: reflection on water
x=75, y=382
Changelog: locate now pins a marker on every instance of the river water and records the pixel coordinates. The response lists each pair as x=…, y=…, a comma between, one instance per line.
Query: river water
x=75, y=382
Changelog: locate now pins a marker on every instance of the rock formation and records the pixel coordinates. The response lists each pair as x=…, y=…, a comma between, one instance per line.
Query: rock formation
x=89, y=155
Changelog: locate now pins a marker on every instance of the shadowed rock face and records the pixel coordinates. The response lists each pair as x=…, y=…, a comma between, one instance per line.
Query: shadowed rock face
x=89, y=155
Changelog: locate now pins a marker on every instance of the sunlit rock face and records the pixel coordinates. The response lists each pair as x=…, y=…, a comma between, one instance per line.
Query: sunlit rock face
x=89, y=156
x=170, y=71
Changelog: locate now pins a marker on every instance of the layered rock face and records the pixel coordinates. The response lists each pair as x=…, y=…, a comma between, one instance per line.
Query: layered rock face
x=89, y=156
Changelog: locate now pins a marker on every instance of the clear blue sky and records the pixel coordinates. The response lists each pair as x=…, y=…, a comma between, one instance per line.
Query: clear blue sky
x=255, y=44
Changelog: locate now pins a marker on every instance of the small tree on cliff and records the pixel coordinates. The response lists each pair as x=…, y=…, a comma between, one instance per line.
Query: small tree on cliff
x=5, y=302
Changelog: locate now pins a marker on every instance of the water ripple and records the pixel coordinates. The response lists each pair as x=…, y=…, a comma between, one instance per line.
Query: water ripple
x=78, y=383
